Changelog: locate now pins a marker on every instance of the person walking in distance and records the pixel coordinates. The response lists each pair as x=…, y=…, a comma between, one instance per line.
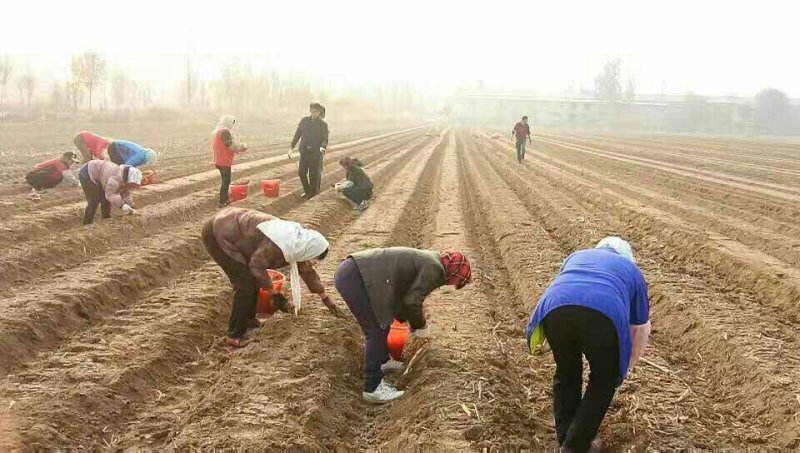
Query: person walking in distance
x=596, y=307
x=522, y=132
x=312, y=133
x=225, y=147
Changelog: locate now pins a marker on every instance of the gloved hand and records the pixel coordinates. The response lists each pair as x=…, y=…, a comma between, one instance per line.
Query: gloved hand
x=127, y=209
x=424, y=332
x=289, y=154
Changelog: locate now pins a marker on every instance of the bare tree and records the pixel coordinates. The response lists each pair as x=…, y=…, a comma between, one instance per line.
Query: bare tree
x=5, y=72
x=57, y=97
x=119, y=88
x=27, y=85
x=88, y=69
x=607, y=84
x=74, y=92
x=630, y=91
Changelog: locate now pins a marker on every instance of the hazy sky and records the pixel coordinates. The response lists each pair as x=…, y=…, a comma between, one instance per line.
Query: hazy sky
x=710, y=47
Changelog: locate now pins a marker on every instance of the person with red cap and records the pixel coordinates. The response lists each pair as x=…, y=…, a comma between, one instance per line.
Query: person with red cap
x=383, y=284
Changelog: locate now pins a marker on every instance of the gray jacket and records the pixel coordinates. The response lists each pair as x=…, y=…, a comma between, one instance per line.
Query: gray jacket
x=397, y=280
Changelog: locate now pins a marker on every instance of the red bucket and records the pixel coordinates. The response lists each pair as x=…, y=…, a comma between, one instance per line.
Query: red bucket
x=265, y=306
x=271, y=187
x=398, y=337
x=238, y=192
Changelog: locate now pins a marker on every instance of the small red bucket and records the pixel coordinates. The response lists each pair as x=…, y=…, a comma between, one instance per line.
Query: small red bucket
x=238, y=192
x=398, y=337
x=271, y=187
x=148, y=178
x=265, y=306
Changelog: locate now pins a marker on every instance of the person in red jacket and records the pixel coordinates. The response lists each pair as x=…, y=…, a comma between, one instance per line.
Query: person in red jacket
x=522, y=132
x=48, y=174
x=225, y=147
x=91, y=145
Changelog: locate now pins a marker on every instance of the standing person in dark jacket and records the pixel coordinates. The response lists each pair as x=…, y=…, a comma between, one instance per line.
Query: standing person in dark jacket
x=312, y=133
x=48, y=174
x=225, y=147
x=380, y=285
x=522, y=131
x=358, y=187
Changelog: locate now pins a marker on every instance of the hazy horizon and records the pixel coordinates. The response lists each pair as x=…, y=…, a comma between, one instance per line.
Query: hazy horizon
x=708, y=48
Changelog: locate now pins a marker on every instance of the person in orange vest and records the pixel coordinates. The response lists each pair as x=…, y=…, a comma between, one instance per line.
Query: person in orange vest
x=225, y=147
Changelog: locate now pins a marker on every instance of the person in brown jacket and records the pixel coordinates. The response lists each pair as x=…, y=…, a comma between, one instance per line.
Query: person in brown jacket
x=245, y=243
x=380, y=285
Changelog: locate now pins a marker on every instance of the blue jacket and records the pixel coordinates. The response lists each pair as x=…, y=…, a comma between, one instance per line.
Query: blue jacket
x=131, y=153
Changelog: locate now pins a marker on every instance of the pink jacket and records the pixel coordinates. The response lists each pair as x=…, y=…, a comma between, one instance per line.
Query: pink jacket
x=109, y=176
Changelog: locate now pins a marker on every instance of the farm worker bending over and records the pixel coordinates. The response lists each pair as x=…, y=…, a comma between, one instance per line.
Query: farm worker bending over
x=312, y=132
x=358, y=187
x=225, y=147
x=123, y=152
x=49, y=174
x=598, y=307
x=245, y=243
x=522, y=131
x=380, y=285
x=91, y=146
x=108, y=184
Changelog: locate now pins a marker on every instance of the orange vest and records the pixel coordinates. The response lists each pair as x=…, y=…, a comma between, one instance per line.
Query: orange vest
x=223, y=156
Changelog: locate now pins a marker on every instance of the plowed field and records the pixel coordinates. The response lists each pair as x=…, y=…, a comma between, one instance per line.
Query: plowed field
x=110, y=335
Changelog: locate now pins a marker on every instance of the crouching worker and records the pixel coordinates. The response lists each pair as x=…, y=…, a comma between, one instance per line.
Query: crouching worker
x=49, y=174
x=380, y=285
x=358, y=187
x=245, y=243
x=596, y=307
x=107, y=184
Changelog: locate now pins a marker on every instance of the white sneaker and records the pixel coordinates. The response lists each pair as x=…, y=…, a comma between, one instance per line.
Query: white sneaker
x=382, y=394
x=392, y=365
x=362, y=206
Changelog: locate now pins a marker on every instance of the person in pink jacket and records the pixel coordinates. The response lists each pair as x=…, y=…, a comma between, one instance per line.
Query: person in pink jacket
x=107, y=184
x=91, y=145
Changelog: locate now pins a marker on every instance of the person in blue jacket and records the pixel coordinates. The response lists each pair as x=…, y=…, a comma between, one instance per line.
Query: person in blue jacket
x=123, y=152
x=597, y=307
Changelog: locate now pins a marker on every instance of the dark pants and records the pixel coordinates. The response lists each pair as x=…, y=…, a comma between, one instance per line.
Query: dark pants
x=573, y=331
x=224, y=188
x=376, y=352
x=114, y=156
x=520, y=149
x=310, y=171
x=95, y=195
x=40, y=179
x=245, y=287
x=357, y=195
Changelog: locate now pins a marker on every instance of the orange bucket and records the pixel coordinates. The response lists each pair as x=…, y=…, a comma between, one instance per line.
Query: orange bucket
x=398, y=337
x=149, y=178
x=271, y=187
x=265, y=306
x=238, y=192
